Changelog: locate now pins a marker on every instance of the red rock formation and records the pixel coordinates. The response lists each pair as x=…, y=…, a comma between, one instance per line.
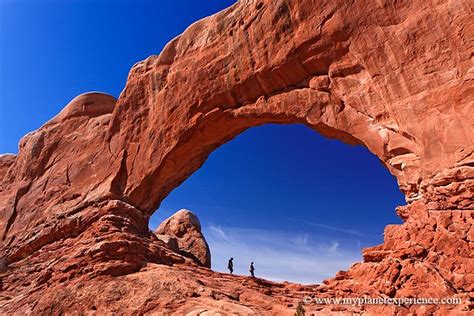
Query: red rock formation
x=394, y=76
x=186, y=228
x=5, y=162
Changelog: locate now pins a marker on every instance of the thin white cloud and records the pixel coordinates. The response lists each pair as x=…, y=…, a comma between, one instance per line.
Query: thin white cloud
x=279, y=256
x=333, y=228
x=334, y=246
x=218, y=230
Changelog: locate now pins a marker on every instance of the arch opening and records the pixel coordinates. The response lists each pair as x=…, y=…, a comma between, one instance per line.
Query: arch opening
x=300, y=205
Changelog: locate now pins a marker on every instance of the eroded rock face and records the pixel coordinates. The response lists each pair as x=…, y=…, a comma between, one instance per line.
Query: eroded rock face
x=5, y=162
x=186, y=228
x=394, y=76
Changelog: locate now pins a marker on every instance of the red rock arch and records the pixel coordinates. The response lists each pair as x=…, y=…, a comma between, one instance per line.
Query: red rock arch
x=393, y=76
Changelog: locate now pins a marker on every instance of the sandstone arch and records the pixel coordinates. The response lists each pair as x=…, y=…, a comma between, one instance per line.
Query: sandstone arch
x=393, y=76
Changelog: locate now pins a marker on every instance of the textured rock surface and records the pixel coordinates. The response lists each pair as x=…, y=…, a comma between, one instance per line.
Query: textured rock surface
x=394, y=76
x=186, y=228
x=6, y=161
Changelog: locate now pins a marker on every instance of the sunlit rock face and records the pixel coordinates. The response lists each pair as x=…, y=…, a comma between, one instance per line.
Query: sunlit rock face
x=394, y=76
x=185, y=227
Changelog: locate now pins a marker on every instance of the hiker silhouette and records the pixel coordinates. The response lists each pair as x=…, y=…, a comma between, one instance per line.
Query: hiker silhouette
x=252, y=269
x=230, y=265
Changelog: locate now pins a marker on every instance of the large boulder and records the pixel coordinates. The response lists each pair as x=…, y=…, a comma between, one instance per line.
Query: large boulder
x=186, y=228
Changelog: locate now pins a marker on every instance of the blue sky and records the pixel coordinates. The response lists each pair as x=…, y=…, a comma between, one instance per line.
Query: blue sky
x=299, y=205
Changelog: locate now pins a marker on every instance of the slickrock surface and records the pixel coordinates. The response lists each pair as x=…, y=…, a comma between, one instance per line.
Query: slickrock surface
x=394, y=76
x=186, y=228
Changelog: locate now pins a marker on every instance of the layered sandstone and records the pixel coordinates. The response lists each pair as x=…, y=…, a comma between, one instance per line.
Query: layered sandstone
x=394, y=76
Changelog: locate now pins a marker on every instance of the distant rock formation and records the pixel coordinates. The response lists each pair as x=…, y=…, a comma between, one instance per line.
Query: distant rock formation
x=186, y=228
x=393, y=76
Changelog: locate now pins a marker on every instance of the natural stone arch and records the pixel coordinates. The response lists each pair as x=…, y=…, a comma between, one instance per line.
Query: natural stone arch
x=393, y=76
x=328, y=78
x=216, y=128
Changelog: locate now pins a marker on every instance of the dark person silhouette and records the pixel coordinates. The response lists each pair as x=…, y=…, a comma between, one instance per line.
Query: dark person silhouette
x=252, y=269
x=230, y=265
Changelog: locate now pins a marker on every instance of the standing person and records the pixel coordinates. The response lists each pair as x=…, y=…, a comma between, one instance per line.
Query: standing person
x=230, y=265
x=252, y=269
